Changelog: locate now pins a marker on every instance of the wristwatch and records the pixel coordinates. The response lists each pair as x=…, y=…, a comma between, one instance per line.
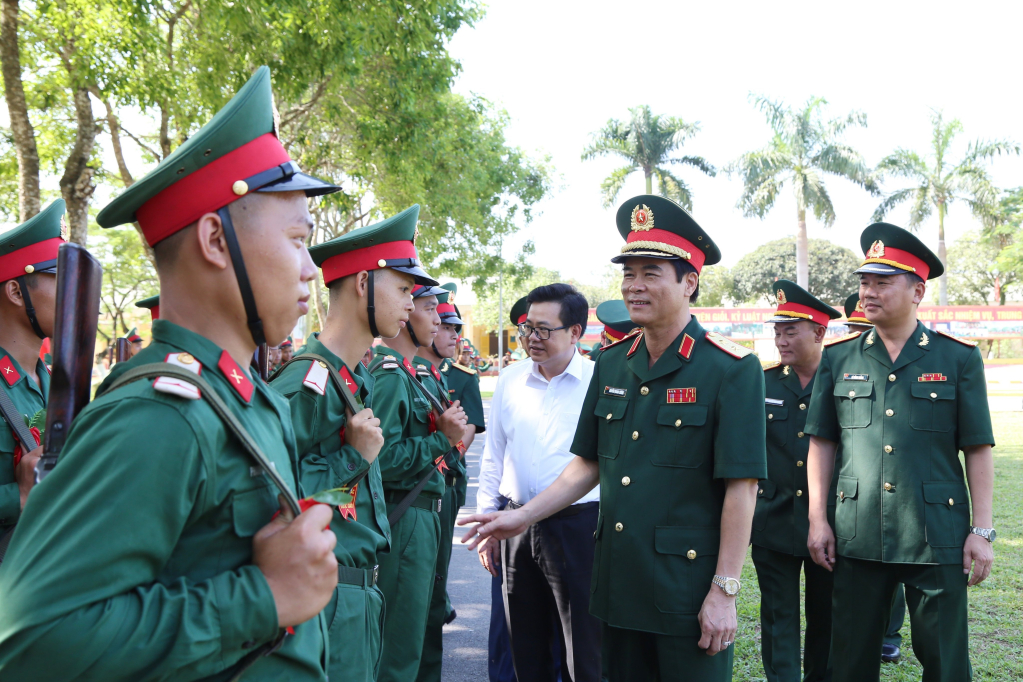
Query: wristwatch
x=986, y=533
x=729, y=586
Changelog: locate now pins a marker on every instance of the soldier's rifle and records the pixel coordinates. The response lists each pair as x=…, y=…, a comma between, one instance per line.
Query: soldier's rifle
x=122, y=349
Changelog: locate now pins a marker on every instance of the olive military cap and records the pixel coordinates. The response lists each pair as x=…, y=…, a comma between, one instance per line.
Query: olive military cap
x=891, y=250
x=795, y=303
x=519, y=311
x=152, y=304
x=32, y=246
x=854, y=311
x=615, y=318
x=656, y=227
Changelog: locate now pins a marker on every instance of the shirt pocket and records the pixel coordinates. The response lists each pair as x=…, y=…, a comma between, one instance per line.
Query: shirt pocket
x=777, y=424
x=855, y=403
x=610, y=413
x=678, y=444
x=946, y=514
x=252, y=509
x=684, y=567
x=845, y=508
x=933, y=406
x=765, y=496
x=421, y=419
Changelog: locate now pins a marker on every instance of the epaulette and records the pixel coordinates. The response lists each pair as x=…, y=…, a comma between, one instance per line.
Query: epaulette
x=728, y=346
x=316, y=378
x=771, y=365
x=383, y=362
x=841, y=339
x=965, y=342
x=173, y=386
x=467, y=370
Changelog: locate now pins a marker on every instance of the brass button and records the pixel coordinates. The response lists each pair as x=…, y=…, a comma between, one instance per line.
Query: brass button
x=635, y=435
x=626, y=480
x=891, y=377
x=644, y=390
x=841, y=494
x=799, y=463
x=382, y=263
x=609, y=415
x=619, y=527
x=887, y=486
x=185, y=358
x=888, y=448
x=760, y=492
x=802, y=406
x=770, y=416
x=691, y=554
x=799, y=493
x=678, y=423
x=951, y=501
x=890, y=412
x=800, y=434
x=934, y=395
x=852, y=394
x=322, y=364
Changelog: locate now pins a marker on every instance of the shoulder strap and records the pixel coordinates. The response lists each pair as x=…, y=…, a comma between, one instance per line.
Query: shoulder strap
x=16, y=422
x=160, y=369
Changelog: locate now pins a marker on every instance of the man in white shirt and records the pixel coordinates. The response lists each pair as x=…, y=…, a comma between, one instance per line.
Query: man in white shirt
x=533, y=416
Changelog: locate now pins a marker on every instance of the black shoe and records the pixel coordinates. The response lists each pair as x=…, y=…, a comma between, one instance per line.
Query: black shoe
x=890, y=653
x=451, y=617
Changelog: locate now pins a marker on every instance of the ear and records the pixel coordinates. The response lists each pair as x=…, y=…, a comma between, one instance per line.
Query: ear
x=577, y=333
x=691, y=281
x=819, y=332
x=362, y=284
x=209, y=235
x=920, y=290
x=12, y=292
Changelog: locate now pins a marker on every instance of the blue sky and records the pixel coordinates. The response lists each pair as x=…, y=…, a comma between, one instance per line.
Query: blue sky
x=562, y=69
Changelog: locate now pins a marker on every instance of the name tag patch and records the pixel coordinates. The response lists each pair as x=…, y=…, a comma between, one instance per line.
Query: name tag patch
x=774, y=401
x=934, y=376
x=611, y=390
x=681, y=395
x=856, y=377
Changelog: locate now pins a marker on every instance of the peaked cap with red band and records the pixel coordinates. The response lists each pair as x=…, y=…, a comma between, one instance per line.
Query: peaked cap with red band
x=615, y=318
x=854, y=311
x=32, y=246
x=387, y=244
x=891, y=250
x=795, y=303
x=152, y=304
x=446, y=310
x=655, y=227
x=235, y=154
x=519, y=311
x=133, y=336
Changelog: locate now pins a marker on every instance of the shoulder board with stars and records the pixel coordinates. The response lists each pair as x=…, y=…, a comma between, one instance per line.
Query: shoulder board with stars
x=173, y=386
x=772, y=365
x=383, y=362
x=848, y=337
x=467, y=370
x=727, y=345
x=316, y=378
x=965, y=342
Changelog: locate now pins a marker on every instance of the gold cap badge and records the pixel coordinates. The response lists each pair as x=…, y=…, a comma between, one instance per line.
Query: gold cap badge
x=859, y=306
x=642, y=218
x=781, y=297
x=876, y=249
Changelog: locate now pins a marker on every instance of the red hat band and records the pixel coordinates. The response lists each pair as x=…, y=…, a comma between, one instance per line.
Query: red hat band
x=208, y=189
x=445, y=308
x=668, y=242
x=368, y=258
x=903, y=260
x=13, y=264
x=613, y=335
x=522, y=318
x=803, y=311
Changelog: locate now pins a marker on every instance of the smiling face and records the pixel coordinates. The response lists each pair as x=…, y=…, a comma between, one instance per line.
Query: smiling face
x=446, y=343
x=652, y=292
x=890, y=300
x=561, y=343
x=392, y=300
x=798, y=343
x=425, y=320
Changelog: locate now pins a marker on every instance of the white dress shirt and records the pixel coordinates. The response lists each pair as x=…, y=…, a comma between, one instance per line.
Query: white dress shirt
x=530, y=430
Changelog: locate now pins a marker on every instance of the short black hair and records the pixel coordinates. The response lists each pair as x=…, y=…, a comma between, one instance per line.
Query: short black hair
x=914, y=278
x=574, y=308
x=683, y=268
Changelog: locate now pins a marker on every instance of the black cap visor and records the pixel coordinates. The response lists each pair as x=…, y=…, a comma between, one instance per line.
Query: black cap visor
x=644, y=253
x=428, y=290
x=452, y=319
x=418, y=274
x=880, y=269
x=288, y=178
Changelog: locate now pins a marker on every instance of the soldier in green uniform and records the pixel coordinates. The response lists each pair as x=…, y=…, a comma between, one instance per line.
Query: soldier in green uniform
x=780, y=524
x=339, y=448
x=149, y=552
x=671, y=429
x=901, y=401
x=416, y=440
x=287, y=349
x=28, y=266
x=617, y=325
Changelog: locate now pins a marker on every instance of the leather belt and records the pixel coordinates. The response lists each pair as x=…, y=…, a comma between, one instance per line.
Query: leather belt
x=571, y=510
x=362, y=577
x=421, y=502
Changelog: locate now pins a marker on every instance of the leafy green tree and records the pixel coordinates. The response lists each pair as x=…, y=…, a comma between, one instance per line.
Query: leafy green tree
x=647, y=142
x=717, y=286
x=975, y=271
x=831, y=271
x=938, y=182
x=803, y=150
x=484, y=312
x=608, y=288
x=128, y=276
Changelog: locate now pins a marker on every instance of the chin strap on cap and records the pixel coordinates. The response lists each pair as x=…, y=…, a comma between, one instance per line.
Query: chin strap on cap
x=29, y=308
x=370, y=308
x=248, y=299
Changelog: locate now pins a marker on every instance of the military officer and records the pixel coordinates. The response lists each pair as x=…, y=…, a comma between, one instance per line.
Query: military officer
x=28, y=266
x=901, y=401
x=617, y=325
x=855, y=318
x=780, y=524
x=287, y=349
x=415, y=441
x=135, y=340
x=339, y=448
x=671, y=429
x=167, y=565
x=517, y=316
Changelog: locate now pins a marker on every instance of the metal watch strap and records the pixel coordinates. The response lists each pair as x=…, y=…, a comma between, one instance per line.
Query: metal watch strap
x=985, y=533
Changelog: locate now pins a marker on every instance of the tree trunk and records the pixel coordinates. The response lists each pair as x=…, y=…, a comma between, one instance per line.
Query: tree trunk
x=21, y=127
x=943, y=257
x=321, y=312
x=802, y=252
x=649, y=182
x=76, y=184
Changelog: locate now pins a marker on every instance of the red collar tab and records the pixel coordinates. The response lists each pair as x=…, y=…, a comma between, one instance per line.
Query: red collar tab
x=408, y=366
x=635, y=344
x=349, y=381
x=897, y=258
x=235, y=376
x=803, y=311
x=435, y=373
x=8, y=371
x=368, y=258
x=155, y=312
x=685, y=349
x=15, y=263
x=668, y=242
x=208, y=189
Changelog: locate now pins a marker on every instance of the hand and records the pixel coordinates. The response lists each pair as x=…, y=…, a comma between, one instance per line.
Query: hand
x=499, y=525
x=490, y=555
x=978, y=553
x=25, y=473
x=821, y=543
x=296, y=555
x=718, y=622
x=452, y=423
x=362, y=432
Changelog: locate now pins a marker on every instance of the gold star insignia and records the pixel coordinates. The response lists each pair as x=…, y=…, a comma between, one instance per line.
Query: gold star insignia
x=876, y=250
x=781, y=297
x=642, y=218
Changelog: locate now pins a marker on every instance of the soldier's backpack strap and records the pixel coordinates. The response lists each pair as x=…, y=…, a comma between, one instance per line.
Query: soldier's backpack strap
x=28, y=443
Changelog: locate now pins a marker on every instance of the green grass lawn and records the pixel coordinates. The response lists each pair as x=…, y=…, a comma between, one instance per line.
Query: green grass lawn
x=996, y=605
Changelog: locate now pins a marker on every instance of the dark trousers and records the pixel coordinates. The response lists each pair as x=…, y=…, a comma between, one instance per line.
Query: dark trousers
x=893, y=634
x=500, y=664
x=936, y=599
x=547, y=574
x=634, y=656
x=778, y=575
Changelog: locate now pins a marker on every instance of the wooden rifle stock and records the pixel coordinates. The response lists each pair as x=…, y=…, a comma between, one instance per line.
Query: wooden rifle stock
x=263, y=361
x=122, y=352
x=79, y=278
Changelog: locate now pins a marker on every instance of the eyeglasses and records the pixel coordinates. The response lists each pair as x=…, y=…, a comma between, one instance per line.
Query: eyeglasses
x=542, y=333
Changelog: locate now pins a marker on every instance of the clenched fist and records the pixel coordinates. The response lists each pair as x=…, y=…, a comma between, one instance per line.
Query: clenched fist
x=452, y=423
x=363, y=433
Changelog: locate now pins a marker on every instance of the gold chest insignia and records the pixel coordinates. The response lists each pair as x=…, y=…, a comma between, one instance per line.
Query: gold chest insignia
x=781, y=297
x=924, y=339
x=870, y=338
x=876, y=250
x=785, y=370
x=65, y=232
x=642, y=218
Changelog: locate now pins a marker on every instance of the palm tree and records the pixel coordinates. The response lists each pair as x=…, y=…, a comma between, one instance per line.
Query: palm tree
x=803, y=149
x=940, y=183
x=647, y=141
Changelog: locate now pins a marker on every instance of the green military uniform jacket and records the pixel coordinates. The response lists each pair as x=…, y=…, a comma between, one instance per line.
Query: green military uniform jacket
x=781, y=521
x=666, y=438
x=28, y=398
x=437, y=384
x=411, y=441
x=464, y=386
x=901, y=494
x=327, y=462
x=133, y=559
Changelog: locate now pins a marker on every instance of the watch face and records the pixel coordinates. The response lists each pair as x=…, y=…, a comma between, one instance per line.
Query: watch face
x=991, y=535
x=731, y=586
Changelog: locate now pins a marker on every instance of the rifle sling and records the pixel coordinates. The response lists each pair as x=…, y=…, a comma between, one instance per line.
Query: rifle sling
x=28, y=443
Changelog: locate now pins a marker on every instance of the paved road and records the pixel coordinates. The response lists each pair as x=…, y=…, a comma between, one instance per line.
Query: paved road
x=465, y=640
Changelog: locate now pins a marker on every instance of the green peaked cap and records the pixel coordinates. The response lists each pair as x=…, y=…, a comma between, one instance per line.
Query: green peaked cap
x=655, y=227
x=615, y=316
x=148, y=303
x=889, y=243
x=450, y=286
x=133, y=335
x=795, y=303
x=46, y=226
x=518, y=310
x=851, y=314
x=391, y=242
